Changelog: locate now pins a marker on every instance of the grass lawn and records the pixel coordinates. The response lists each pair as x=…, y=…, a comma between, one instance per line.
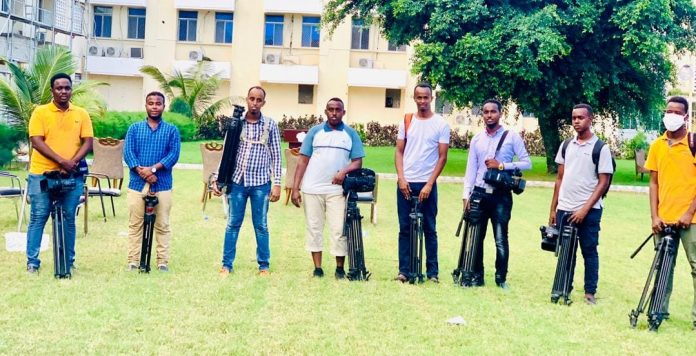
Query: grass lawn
x=106, y=310
x=381, y=160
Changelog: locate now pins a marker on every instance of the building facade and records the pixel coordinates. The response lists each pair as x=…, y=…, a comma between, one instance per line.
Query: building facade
x=278, y=44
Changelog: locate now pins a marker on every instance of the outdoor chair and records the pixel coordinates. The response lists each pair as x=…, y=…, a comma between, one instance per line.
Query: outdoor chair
x=212, y=155
x=12, y=191
x=640, y=164
x=107, y=166
x=371, y=198
x=292, y=156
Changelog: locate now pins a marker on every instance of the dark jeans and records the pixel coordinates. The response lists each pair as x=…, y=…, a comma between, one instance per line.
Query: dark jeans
x=237, y=198
x=588, y=234
x=429, y=211
x=495, y=206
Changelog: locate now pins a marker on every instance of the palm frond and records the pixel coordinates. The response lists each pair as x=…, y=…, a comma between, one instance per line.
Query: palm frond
x=212, y=110
x=160, y=78
x=87, y=86
x=48, y=62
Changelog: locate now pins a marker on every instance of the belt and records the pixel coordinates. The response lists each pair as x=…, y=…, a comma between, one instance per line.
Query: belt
x=490, y=191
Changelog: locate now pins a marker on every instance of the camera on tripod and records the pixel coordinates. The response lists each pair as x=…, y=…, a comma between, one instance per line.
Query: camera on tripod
x=57, y=183
x=501, y=179
x=226, y=122
x=359, y=181
x=549, y=237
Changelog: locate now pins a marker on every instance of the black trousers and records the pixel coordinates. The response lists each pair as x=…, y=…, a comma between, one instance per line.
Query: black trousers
x=497, y=207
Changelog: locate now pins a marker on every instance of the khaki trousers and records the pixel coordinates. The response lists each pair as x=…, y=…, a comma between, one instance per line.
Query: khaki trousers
x=320, y=208
x=163, y=234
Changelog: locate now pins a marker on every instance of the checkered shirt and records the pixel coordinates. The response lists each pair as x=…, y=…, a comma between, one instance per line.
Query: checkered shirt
x=257, y=161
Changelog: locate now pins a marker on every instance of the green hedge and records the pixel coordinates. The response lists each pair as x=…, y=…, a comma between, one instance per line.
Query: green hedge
x=115, y=124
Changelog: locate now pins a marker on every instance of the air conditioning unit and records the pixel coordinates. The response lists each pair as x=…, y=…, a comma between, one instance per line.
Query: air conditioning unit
x=272, y=58
x=366, y=63
x=196, y=55
x=112, y=51
x=95, y=51
x=136, y=52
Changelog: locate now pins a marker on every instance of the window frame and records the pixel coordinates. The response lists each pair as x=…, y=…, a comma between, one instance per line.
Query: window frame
x=104, y=29
x=274, y=25
x=312, y=28
x=224, y=22
x=136, y=19
x=301, y=93
x=395, y=99
x=188, y=21
x=358, y=26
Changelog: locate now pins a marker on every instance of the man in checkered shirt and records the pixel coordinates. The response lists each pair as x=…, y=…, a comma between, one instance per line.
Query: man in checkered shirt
x=257, y=163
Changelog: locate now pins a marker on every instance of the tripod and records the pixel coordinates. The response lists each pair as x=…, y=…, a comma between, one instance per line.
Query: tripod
x=660, y=270
x=61, y=265
x=352, y=229
x=415, y=266
x=566, y=249
x=464, y=274
x=148, y=230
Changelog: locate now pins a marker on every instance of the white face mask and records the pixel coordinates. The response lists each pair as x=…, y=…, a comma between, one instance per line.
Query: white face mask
x=673, y=122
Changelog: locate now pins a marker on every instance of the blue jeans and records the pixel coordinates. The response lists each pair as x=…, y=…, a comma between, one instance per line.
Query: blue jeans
x=237, y=199
x=588, y=234
x=429, y=211
x=41, y=210
x=497, y=207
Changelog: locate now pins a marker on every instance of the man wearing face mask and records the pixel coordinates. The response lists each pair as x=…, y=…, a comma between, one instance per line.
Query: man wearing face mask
x=673, y=185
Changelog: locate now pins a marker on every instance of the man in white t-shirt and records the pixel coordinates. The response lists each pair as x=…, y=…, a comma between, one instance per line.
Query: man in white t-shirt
x=329, y=151
x=421, y=154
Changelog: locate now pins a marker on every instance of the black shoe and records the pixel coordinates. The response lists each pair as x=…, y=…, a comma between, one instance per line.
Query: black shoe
x=340, y=273
x=318, y=272
x=32, y=270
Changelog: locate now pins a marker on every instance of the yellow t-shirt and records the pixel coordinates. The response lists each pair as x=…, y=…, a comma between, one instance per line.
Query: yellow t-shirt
x=676, y=177
x=62, y=132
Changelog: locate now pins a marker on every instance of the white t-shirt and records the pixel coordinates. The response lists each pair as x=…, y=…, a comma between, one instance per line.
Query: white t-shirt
x=422, y=141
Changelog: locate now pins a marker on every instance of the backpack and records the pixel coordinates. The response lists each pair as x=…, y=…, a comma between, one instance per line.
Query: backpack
x=596, y=150
x=407, y=122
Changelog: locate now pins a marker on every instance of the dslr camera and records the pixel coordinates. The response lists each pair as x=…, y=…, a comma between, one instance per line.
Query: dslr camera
x=549, y=238
x=502, y=179
x=57, y=183
x=359, y=181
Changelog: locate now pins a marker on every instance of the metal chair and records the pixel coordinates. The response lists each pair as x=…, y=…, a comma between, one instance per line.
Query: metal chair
x=371, y=198
x=14, y=191
x=107, y=165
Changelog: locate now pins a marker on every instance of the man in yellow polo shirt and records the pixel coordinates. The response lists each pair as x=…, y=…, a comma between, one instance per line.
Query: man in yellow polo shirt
x=61, y=135
x=673, y=185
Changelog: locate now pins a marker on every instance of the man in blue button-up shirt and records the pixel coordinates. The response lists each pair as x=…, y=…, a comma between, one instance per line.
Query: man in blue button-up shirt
x=496, y=203
x=151, y=151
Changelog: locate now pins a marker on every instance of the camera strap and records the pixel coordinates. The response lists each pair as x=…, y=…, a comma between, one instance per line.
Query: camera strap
x=500, y=143
x=407, y=123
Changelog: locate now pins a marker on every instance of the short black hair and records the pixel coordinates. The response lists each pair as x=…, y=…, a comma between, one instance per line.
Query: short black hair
x=337, y=99
x=60, y=76
x=424, y=85
x=586, y=107
x=493, y=101
x=259, y=88
x=680, y=100
x=155, y=93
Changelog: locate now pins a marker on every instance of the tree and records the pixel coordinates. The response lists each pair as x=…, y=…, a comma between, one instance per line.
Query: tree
x=30, y=87
x=545, y=56
x=191, y=92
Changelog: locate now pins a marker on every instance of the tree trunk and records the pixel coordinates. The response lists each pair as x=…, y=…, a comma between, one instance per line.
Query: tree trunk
x=549, y=133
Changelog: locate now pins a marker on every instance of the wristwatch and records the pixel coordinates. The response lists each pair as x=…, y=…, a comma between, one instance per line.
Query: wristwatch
x=500, y=167
x=153, y=169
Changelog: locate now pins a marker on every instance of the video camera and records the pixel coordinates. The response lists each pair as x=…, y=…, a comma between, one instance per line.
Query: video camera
x=57, y=183
x=502, y=179
x=359, y=181
x=549, y=238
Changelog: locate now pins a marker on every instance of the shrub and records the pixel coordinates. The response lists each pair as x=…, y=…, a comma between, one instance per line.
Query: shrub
x=458, y=140
x=638, y=142
x=299, y=123
x=9, y=138
x=115, y=124
x=533, y=142
x=378, y=135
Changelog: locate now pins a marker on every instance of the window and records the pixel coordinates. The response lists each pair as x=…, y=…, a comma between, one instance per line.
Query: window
x=305, y=94
x=223, y=27
x=392, y=98
x=187, y=25
x=310, y=31
x=360, y=35
x=5, y=6
x=136, y=23
x=274, y=31
x=393, y=47
x=102, y=21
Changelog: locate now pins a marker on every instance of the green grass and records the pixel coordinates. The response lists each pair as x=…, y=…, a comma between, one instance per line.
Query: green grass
x=106, y=310
x=381, y=160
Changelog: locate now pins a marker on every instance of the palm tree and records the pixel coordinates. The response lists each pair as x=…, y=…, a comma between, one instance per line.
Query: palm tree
x=30, y=87
x=191, y=92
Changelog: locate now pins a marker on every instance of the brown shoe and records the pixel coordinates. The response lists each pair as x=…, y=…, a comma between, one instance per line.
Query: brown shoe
x=224, y=272
x=264, y=272
x=401, y=278
x=590, y=299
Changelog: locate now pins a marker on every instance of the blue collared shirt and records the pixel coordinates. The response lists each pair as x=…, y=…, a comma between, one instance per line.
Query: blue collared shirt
x=483, y=147
x=145, y=147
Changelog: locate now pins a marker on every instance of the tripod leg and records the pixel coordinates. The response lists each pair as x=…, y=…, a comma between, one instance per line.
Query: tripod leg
x=656, y=308
x=633, y=316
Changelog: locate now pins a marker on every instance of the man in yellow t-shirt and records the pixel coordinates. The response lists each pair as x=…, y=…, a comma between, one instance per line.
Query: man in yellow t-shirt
x=61, y=136
x=673, y=186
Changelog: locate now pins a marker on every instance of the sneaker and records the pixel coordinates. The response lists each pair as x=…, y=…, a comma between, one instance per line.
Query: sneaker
x=224, y=272
x=503, y=285
x=163, y=268
x=32, y=270
x=318, y=272
x=590, y=299
x=434, y=279
x=132, y=267
x=340, y=273
x=264, y=272
x=401, y=278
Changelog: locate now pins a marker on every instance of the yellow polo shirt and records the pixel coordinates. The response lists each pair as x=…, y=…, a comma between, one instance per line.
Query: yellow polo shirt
x=676, y=177
x=62, y=131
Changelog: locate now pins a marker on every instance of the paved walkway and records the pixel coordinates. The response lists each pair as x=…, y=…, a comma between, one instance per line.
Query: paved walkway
x=446, y=179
